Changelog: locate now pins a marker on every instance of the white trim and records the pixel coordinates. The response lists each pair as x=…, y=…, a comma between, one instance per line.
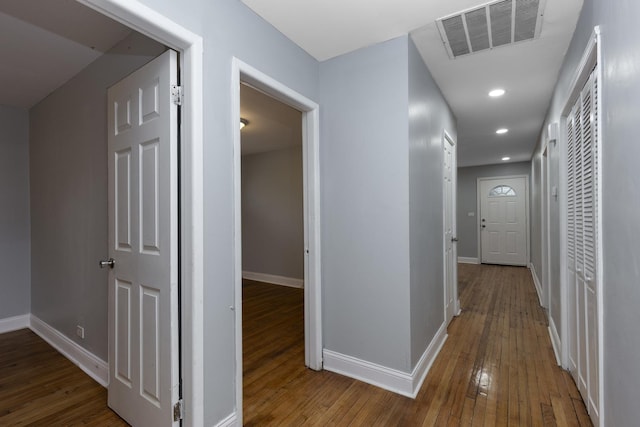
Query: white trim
x=600, y=258
x=468, y=260
x=545, y=215
x=555, y=340
x=428, y=357
x=91, y=364
x=230, y=421
x=526, y=213
x=370, y=373
x=10, y=324
x=274, y=279
x=383, y=377
x=240, y=71
x=147, y=21
x=536, y=281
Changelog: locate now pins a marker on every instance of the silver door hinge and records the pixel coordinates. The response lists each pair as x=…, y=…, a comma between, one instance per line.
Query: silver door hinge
x=176, y=94
x=178, y=410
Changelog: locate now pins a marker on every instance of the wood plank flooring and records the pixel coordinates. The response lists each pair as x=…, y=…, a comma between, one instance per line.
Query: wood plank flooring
x=497, y=367
x=40, y=387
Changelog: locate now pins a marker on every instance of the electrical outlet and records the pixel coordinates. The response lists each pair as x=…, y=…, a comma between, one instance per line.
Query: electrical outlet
x=80, y=331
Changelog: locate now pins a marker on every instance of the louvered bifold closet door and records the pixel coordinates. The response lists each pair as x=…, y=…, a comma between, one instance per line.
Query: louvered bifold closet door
x=571, y=244
x=579, y=245
x=589, y=186
x=582, y=243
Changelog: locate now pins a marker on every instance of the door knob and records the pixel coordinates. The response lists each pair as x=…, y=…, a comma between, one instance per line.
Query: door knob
x=484, y=226
x=108, y=263
x=454, y=239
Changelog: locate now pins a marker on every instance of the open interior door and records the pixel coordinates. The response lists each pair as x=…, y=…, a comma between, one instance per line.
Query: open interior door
x=143, y=281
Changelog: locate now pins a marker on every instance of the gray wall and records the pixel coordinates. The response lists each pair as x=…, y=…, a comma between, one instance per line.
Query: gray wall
x=68, y=176
x=621, y=196
x=365, y=204
x=468, y=200
x=228, y=29
x=429, y=117
x=272, y=213
x=382, y=124
x=14, y=212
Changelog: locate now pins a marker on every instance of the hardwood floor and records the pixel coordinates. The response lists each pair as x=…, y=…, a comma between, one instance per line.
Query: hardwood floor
x=497, y=367
x=40, y=387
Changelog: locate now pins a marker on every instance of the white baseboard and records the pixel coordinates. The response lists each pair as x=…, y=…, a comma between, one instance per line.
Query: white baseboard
x=273, y=279
x=371, y=373
x=555, y=340
x=230, y=421
x=426, y=361
x=536, y=281
x=14, y=323
x=383, y=377
x=92, y=365
x=468, y=260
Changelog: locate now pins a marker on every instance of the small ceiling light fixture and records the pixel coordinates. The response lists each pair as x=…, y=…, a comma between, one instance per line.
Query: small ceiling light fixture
x=243, y=123
x=502, y=131
x=497, y=93
x=504, y=159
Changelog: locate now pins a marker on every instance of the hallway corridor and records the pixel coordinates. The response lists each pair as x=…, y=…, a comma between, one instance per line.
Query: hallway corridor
x=496, y=368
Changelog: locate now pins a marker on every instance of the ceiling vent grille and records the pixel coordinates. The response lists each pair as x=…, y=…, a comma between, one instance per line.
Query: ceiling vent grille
x=494, y=24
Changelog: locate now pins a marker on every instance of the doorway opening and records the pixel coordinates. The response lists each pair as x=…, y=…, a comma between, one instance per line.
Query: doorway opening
x=246, y=76
x=80, y=332
x=272, y=244
x=158, y=27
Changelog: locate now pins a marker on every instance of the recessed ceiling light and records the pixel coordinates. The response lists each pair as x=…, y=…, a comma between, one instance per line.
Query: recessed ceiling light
x=496, y=93
x=504, y=159
x=501, y=131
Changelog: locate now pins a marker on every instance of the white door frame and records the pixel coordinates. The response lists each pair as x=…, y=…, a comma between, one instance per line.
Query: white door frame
x=147, y=21
x=242, y=72
x=526, y=212
x=448, y=139
x=544, y=224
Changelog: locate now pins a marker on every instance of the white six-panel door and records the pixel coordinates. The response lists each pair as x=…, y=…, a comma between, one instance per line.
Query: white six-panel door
x=143, y=283
x=503, y=220
x=450, y=256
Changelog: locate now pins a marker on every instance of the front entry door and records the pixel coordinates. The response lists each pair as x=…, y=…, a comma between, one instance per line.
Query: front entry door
x=143, y=281
x=503, y=220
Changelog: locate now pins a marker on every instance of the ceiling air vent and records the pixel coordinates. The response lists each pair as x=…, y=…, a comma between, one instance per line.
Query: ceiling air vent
x=494, y=24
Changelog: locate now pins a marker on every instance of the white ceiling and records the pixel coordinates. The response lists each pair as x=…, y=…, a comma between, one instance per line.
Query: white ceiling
x=53, y=40
x=272, y=124
x=45, y=43
x=528, y=70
